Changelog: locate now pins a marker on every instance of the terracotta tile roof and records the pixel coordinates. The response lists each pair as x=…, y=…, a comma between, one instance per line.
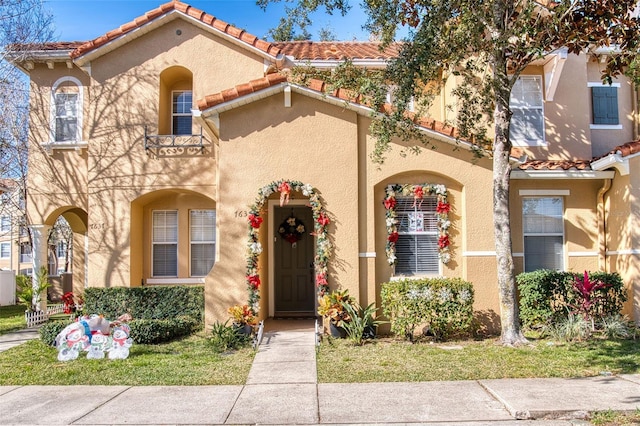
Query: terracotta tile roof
x=241, y=90
x=52, y=45
x=626, y=149
x=211, y=20
x=331, y=50
x=315, y=85
x=556, y=165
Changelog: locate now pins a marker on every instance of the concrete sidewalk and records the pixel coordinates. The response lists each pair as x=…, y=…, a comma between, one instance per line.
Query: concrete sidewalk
x=282, y=389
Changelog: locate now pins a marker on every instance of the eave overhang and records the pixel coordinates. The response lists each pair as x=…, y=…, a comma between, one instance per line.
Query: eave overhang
x=614, y=160
x=561, y=174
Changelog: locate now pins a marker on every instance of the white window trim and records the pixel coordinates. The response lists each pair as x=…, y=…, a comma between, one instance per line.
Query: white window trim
x=604, y=126
x=181, y=114
x=153, y=244
x=542, y=142
x=550, y=234
x=78, y=143
x=191, y=242
x=544, y=193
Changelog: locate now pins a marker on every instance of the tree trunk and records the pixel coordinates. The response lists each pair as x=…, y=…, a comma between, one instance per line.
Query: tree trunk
x=509, y=318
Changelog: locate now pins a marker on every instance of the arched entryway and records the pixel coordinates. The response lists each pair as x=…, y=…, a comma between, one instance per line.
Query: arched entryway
x=297, y=274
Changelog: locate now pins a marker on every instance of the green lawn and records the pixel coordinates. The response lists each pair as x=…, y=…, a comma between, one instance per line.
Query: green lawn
x=387, y=360
x=189, y=361
x=11, y=318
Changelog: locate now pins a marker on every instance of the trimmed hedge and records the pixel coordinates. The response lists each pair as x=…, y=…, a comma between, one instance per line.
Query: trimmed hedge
x=547, y=296
x=159, y=314
x=445, y=305
x=145, y=302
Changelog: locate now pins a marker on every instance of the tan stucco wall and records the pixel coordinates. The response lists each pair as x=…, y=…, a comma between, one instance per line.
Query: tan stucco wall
x=622, y=225
x=311, y=142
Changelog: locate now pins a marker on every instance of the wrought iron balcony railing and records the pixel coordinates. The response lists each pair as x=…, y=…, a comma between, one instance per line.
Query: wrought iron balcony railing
x=174, y=145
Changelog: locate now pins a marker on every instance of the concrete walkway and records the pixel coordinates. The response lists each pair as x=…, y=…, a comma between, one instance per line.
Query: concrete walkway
x=282, y=389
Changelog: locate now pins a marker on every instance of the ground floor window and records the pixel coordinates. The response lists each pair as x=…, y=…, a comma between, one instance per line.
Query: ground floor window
x=202, y=232
x=417, y=250
x=543, y=231
x=165, y=243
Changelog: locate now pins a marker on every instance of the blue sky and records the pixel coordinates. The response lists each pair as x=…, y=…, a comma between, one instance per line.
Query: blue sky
x=80, y=20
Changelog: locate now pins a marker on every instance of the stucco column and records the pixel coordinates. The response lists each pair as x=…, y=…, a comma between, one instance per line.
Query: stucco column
x=40, y=255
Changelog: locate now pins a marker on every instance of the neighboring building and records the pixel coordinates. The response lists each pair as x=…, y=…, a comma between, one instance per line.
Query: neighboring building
x=15, y=250
x=154, y=140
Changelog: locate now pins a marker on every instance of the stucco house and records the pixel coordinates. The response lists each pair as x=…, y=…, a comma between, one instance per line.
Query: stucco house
x=181, y=152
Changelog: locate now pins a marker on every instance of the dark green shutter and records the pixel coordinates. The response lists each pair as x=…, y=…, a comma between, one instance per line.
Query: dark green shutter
x=605, y=105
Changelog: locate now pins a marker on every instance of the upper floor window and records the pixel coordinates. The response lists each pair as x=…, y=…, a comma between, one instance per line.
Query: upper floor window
x=604, y=106
x=543, y=231
x=181, y=112
x=202, y=233
x=5, y=224
x=5, y=250
x=417, y=248
x=66, y=110
x=526, y=104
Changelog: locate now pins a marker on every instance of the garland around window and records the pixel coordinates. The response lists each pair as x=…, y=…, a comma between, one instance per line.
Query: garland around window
x=417, y=192
x=321, y=222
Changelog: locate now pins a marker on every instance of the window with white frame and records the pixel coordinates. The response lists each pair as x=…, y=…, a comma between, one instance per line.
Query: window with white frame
x=25, y=253
x=181, y=112
x=202, y=234
x=543, y=229
x=165, y=243
x=417, y=244
x=5, y=250
x=604, y=106
x=526, y=104
x=66, y=110
x=5, y=224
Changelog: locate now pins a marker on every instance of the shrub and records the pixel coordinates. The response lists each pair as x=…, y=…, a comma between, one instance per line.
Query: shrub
x=50, y=330
x=573, y=328
x=159, y=314
x=549, y=296
x=226, y=337
x=362, y=324
x=150, y=331
x=26, y=291
x=445, y=305
x=145, y=302
x=616, y=327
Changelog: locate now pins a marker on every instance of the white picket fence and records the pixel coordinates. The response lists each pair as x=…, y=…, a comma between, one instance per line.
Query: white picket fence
x=39, y=317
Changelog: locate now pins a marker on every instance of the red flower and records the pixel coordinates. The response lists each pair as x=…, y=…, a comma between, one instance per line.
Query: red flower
x=443, y=207
x=255, y=221
x=284, y=189
x=418, y=192
x=390, y=203
x=443, y=241
x=254, y=281
x=393, y=237
x=321, y=279
x=323, y=219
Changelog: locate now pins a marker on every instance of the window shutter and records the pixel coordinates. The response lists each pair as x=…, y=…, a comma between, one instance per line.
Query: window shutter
x=605, y=105
x=417, y=245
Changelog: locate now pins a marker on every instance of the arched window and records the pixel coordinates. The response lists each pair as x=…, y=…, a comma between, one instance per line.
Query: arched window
x=176, y=101
x=66, y=110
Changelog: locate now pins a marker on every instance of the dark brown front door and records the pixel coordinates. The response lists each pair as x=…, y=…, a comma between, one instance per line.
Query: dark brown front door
x=294, y=285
